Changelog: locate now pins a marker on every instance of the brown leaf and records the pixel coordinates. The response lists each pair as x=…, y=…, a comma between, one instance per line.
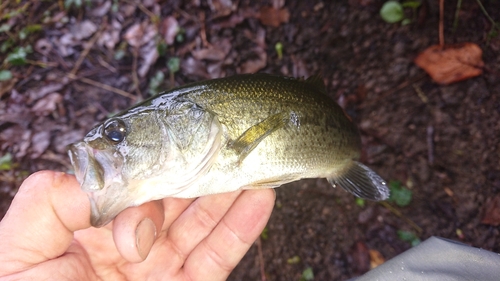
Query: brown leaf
x=491, y=215
x=376, y=258
x=273, y=17
x=214, y=54
x=451, y=63
x=6, y=86
x=169, y=28
x=140, y=33
x=221, y=8
x=47, y=104
x=193, y=67
x=360, y=257
x=39, y=143
x=254, y=65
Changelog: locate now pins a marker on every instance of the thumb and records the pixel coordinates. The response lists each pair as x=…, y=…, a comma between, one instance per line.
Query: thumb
x=39, y=225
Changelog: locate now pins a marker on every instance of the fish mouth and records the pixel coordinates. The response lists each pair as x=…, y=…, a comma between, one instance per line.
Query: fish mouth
x=100, y=178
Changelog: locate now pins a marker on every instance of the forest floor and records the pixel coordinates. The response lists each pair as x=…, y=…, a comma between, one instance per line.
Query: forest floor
x=71, y=67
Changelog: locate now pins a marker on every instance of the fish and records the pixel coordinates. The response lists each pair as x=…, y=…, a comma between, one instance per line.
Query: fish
x=249, y=131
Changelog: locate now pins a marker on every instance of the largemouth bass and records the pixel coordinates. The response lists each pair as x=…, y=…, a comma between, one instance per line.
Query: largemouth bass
x=221, y=135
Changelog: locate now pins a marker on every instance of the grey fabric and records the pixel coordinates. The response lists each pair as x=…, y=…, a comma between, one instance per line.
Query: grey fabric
x=438, y=259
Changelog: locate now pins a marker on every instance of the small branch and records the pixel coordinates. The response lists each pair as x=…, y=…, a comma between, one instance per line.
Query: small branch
x=86, y=51
x=261, y=260
x=398, y=213
x=135, y=77
x=430, y=144
x=102, y=86
x=441, y=23
x=486, y=13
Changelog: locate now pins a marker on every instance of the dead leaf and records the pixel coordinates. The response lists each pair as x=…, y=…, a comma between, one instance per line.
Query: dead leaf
x=169, y=28
x=376, y=258
x=193, y=67
x=451, y=63
x=39, y=143
x=217, y=51
x=254, y=65
x=47, y=104
x=102, y=9
x=83, y=30
x=111, y=35
x=43, y=46
x=149, y=54
x=491, y=215
x=140, y=33
x=221, y=8
x=273, y=17
x=360, y=257
x=6, y=86
x=38, y=93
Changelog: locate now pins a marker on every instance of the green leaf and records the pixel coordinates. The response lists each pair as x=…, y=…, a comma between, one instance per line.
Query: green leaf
x=5, y=75
x=392, y=12
x=406, y=22
x=279, y=50
x=69, y=3
x=174, y=64
x=307, y=274
x=411, y=4
x=264, y=235
x=360, y=202
x=293, y=260
x=5, y=27
x=6, y=45
x=18, y=56
x=399, y=194
x=6, y=162
x=156, y=82
x=409, y=236
x=162, y=48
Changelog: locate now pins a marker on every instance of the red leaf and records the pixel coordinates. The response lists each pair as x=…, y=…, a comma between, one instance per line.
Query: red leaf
x=491, y=214
x=451, y=64
x=273, y=17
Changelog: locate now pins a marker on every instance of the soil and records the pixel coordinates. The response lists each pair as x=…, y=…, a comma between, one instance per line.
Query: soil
x=441, y=142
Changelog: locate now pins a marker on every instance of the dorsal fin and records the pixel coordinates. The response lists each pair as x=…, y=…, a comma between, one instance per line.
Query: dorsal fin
x=317, y=81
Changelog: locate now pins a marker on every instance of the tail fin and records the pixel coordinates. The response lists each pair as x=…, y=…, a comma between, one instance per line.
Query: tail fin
x=362, y=182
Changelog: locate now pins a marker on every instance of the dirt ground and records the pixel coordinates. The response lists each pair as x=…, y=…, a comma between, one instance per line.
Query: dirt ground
x=441, y=142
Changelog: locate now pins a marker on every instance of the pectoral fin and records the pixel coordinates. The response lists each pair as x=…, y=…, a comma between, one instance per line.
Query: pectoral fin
x=247, y=142
x=362, y=182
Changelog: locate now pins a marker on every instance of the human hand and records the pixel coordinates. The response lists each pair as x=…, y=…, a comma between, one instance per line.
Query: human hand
x=46, y=234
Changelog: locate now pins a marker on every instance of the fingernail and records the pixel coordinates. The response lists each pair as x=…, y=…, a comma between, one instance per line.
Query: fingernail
x=145, y=235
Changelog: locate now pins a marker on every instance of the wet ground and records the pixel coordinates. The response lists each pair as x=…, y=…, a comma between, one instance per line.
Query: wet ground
x=441, y=142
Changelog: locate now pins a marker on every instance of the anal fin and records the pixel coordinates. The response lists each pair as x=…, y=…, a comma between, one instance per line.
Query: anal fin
x=362, y=182
x=247, y=142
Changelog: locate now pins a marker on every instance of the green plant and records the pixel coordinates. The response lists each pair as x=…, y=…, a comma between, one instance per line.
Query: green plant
x=264, y=234
x=293, y=260
x=5, y=75
x=360, y=202
x=6, y=162
x=279, y=50
x=409, y=236
x=307, y=274
x=399, y=194
x=156, y=83
x=393, y=11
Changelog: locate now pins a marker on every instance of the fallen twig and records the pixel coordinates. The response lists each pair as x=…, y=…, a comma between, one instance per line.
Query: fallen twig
x=102, y=86
x=400, y=215
x=261, y=260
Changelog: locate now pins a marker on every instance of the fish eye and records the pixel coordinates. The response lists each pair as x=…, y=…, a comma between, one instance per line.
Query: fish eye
x=115, y=131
